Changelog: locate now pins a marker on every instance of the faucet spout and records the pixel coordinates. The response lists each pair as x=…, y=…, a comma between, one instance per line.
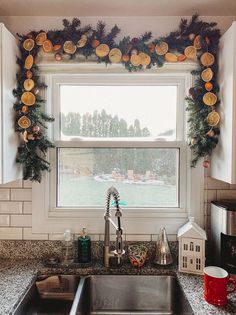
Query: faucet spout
x=119, y=251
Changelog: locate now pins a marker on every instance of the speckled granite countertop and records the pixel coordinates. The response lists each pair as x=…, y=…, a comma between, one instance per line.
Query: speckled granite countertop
x=16, y=277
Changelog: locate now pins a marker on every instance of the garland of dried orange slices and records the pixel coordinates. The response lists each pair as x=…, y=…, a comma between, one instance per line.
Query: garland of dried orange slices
x=194, y=40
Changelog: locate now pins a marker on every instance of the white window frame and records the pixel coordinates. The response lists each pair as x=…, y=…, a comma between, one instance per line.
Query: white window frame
x=49, y=219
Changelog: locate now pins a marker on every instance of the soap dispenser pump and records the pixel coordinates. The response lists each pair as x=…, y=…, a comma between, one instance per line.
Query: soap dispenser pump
x=84, y=247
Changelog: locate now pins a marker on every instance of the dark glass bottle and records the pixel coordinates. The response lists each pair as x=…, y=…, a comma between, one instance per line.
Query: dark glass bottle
x=84, y=248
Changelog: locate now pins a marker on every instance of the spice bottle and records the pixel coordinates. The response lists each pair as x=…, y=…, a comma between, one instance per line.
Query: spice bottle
x=84, y=247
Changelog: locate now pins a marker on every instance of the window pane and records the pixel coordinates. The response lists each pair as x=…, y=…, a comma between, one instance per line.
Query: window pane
x=144, y=177
x=118, y=111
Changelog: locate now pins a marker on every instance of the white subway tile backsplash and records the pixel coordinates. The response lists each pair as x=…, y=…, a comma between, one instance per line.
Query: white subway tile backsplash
x=21, y=194
x=138, y=237
x=4, y=194
x=28, y=235
x=4, y=220
x=24, y=220
x=27, y=184
x=14, y=184
x=10, y=233
x=226, y=194
x=211, y=183
x=171, y=237
x=11, y=207
x=27, y=207
x=56, y=237
x=210, y=195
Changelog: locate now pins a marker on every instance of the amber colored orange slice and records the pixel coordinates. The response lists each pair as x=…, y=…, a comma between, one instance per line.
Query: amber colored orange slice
x=40, y=38
x=162, y=48
x=29, y=60
x=170, y=57
x=69, y=47
x=190, y=52
x=135, y=60
x=213, y=118
x=197, y=42
x=102, y=50
x=144, y=59
x=28, y=84
x=209, y=98
x=28, y=98
x=207, y=75
x=28, y=44
x=24, y=122
x=47, y=46
x=207, y=59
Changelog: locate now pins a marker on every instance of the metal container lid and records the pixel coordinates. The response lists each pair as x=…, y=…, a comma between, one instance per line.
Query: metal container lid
x=229, y=205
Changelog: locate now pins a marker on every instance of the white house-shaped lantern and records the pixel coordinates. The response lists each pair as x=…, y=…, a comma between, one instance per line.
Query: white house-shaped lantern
x=191, y=248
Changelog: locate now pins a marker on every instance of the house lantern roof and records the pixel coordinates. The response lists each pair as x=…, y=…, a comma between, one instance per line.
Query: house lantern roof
x=192, y=229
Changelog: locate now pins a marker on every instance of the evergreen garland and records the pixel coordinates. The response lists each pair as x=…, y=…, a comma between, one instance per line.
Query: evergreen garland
x=75, y=40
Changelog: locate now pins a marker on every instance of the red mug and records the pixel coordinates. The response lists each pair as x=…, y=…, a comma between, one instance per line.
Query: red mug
x=216, y=280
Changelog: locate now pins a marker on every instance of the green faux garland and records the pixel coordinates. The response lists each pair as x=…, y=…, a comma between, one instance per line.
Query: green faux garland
x=195, y=40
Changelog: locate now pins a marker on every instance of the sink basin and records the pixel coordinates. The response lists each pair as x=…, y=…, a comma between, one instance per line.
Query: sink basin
x=56, y=300
x=128, y=294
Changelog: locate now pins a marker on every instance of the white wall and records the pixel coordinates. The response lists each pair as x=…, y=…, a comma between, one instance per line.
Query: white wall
x=15, y=198
x=132, y=26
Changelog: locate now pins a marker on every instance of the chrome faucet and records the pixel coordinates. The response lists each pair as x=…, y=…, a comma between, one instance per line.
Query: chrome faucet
x=118, y=252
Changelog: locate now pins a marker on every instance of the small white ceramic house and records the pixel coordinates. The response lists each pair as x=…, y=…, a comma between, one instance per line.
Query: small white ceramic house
x=191, y=248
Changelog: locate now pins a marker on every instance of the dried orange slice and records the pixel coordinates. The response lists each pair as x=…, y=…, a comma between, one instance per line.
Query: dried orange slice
x=208, y=86
x=40, y=38
x=28, y=98
x=161, y=48
x=56, y=47
x=47, y=46
x=24, y=122
x=29, y=60
x=102, y=50
x=181, y=58
x=115, y=55
x=207, y=75
x=213, y=118
x=95, y=43
x=144, y=59
x=28, y=84
x=209, y=99
x=69, y=47
x=82, y=41
x=24, y=109
x=125, y=58
x=135, y=60
x=197, y=42
x=207, y=59
x=170, y=57
x=190, y=52
x=28, y=44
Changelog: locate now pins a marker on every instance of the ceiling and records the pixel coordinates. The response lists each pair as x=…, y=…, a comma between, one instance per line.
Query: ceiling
x=117, y=8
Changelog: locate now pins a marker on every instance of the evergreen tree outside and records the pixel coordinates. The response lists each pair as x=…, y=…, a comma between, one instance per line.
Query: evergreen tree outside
x=100, y=124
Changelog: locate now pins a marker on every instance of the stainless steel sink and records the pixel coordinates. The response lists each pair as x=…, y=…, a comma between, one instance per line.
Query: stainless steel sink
x=128, y=294
x=57, y=301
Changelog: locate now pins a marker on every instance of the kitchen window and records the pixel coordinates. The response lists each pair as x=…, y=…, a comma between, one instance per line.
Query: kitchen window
x=122, y=130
